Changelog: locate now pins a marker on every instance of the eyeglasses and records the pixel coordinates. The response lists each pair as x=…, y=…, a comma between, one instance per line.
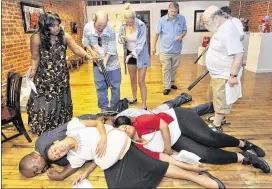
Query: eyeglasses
x=100, y=41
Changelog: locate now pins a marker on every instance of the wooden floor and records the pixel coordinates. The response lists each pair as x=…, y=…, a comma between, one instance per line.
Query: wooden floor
x=251, y=118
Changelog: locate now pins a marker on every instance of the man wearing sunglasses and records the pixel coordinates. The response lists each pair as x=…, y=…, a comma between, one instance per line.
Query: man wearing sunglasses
x=99, y=39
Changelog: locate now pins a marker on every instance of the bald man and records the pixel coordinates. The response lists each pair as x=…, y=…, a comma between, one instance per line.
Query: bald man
x=99, y=39
x=223, y=60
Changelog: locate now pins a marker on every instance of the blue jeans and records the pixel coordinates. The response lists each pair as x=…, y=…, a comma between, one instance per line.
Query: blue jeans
x=102, y=90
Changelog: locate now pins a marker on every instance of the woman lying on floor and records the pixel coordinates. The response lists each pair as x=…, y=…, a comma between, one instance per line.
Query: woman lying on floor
x=37, y=162
x=78, y=148
x=182, y=129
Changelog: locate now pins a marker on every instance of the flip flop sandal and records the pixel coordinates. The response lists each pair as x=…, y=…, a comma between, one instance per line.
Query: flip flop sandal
x=223, y=122
x=216, y=128
x=219, y=182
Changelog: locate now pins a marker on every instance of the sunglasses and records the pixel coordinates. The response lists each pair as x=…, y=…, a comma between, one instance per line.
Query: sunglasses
x=100, y=41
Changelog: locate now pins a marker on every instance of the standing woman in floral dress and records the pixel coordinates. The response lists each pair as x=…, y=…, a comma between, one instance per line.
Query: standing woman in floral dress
x=52, y=105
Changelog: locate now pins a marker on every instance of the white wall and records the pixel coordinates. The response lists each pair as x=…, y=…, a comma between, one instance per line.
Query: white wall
x=192, y=39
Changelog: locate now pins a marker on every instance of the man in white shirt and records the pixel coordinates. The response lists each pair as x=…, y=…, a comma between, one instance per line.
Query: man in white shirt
x=238, y=24
x=223, y=60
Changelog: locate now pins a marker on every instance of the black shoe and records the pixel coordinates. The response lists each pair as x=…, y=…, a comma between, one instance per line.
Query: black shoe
x=186, y=97
x=219, y=182
x=174, y=87
x=249, y=146
x=132, y=101
x=166, y=91
x=252, y=159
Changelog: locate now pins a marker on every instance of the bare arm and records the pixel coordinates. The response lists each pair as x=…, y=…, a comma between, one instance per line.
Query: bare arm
x=235, y=68
x=59, y=176
x=190, y=167
x=75, y=47
x=90, y=169
x=35, y=54
x=92, y=51
x=155, y=39
x=180, y=37
x=99, y=124
x=166, y=137
x=106, y=59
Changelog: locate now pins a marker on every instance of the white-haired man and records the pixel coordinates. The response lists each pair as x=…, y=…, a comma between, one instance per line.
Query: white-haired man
x=223, y=60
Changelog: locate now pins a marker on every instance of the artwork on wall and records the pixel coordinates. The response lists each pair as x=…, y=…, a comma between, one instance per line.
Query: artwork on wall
x=74, y=26
x=164, y=12
x=198, y=22
x=30, y=16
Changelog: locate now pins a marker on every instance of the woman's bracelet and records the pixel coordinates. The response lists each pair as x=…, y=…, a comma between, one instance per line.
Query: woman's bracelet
x=33, y=69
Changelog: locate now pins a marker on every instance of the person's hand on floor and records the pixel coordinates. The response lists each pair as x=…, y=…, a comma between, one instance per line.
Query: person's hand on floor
x=80, y=178
x=53, y=174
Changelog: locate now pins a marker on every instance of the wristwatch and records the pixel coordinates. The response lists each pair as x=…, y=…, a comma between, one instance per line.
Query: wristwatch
x=233, y=75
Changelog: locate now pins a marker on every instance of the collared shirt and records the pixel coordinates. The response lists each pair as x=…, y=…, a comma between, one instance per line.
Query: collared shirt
x=168, y=31
x=90, y=37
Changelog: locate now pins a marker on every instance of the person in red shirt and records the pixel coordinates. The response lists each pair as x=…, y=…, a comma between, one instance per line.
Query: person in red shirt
x=196, y=137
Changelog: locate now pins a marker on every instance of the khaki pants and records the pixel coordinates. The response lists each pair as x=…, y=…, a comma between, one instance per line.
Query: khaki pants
x=217, y=94
x=170, y=63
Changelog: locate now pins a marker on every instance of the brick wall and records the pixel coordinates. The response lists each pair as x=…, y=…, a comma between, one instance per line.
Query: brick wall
x=252, y=10
x=16, y=43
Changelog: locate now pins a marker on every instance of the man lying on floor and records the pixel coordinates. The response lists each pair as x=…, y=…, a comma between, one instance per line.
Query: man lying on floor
x=137, y=170
x=35, y=160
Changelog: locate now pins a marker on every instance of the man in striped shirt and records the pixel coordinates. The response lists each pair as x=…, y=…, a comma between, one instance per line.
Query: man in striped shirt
x=99, y=39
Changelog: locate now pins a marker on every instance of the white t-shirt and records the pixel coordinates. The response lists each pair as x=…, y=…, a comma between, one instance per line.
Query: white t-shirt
x=224, y=44
x=238, y=24
x=87, y=138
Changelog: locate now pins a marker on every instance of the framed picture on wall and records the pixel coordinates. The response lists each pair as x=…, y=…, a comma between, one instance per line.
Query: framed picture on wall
x=30, y=16
x=198, y=22
x=73, y=27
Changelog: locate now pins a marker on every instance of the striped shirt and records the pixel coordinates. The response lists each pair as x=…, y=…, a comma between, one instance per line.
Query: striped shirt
x=90, y=37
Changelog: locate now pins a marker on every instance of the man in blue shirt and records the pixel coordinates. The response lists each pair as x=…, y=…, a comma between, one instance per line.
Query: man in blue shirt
x=171, y=28
x=99, y=39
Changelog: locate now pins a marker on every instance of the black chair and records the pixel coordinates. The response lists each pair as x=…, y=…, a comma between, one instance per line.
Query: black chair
x=11, y=112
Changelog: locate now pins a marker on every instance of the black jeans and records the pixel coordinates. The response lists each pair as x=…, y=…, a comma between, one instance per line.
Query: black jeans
x=198, y=138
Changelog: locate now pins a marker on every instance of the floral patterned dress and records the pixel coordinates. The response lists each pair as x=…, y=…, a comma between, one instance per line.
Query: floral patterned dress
x=52, y=105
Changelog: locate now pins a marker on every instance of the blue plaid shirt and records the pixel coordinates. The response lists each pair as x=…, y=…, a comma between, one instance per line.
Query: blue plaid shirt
x=90, y=37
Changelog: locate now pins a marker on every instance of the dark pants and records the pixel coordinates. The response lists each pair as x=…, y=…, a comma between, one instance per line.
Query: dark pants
x=198, y=138
x=199, y=109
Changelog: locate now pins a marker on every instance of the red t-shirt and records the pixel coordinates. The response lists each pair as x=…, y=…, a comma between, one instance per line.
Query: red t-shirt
x=149, y=123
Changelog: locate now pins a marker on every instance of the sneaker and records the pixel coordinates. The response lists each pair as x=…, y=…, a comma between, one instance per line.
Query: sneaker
x=253, y=147
x=174, y=87
x=166, y=91
x=252, y=159
x=186, y=97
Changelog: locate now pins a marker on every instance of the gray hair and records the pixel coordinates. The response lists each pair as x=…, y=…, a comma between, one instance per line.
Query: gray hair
x=174, y=5
x=220, y=13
